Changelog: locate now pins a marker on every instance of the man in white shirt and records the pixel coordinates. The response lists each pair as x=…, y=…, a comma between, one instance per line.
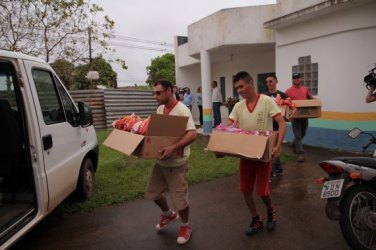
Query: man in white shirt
x=171, y=173
x=217, y=101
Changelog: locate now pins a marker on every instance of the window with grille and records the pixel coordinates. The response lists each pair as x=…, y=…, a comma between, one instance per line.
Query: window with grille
x=309, y=73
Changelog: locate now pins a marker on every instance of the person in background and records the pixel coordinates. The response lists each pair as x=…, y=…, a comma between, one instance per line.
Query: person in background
x=217, y=101
x=256, y=112
x=371, y=94
x=181, y=94
x=171, y=173
x=271, y=83
x=188, y=98
x=199, y=104
x=299, y=126
x=176, y=92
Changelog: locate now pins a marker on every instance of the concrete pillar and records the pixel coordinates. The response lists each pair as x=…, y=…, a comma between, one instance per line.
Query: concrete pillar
x=206, y=91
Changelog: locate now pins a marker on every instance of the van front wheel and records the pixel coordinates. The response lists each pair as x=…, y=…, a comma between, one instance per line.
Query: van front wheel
x=85, y=184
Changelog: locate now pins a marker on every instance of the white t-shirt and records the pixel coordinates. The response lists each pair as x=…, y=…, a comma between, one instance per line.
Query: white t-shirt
x=216, y=95
x=181, y=110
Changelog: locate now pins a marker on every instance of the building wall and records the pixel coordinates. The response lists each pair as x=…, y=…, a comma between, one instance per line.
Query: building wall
x=255, y=64
x=342, y=42
x=181, y=56
x=230, y=26
x=190, y=76
x=343, y=45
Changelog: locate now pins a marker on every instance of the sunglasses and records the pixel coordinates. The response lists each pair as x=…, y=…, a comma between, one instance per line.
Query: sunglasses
x=158, y=92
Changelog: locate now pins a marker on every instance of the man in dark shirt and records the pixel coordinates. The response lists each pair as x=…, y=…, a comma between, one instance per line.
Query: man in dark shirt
x=271, y=83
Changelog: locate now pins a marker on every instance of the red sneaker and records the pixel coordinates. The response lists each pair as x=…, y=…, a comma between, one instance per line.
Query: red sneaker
x=184, y=234
x=166, y=219
x=255, y=226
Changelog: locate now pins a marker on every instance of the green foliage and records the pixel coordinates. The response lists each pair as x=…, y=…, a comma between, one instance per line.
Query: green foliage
x=64, y=70
x=122, y=63
x=54, y=29
x=161, y=67
x=107, y=76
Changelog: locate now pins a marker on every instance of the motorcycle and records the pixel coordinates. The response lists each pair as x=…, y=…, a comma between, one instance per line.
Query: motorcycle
x=350, y=190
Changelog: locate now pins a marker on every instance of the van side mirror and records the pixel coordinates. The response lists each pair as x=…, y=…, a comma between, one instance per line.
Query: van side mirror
x=86, y=116
x=355, y=132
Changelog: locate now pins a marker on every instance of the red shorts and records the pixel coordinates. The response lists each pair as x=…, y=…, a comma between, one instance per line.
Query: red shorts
x=255, y=171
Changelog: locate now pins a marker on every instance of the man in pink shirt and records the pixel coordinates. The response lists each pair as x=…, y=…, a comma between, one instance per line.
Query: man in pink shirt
x=299, y=126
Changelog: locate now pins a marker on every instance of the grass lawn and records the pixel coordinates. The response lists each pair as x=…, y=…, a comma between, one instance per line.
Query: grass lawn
x=120, y=178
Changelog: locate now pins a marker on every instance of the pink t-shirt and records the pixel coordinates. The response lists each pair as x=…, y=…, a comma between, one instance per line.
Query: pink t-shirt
x=298, y=93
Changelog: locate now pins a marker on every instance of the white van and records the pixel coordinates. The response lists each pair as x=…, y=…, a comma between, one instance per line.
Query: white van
x=48, y=146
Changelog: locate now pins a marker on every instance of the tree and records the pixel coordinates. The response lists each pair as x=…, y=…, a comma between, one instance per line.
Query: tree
x=54, y=29
x=107, y=76
x=161, y=67
x=64, y=70
x=17, y=25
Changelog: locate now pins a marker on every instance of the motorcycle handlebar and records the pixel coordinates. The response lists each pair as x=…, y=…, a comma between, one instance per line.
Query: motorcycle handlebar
x=368, y=144
x=371, y=141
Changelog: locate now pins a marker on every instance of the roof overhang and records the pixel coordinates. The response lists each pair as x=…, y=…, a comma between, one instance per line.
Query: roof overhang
x=235, y=51
x=311, y=12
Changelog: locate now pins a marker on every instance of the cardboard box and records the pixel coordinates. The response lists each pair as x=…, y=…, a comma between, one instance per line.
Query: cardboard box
x=256, y=147
x=163, y=130
x=306, y=109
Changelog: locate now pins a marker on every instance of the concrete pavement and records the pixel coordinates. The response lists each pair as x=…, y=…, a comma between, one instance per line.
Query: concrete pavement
x=219, y=218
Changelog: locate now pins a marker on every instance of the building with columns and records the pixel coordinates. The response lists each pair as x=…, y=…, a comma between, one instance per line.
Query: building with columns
x=331, y=43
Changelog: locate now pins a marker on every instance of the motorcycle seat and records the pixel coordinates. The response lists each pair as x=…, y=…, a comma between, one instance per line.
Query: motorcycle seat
x=361, y=161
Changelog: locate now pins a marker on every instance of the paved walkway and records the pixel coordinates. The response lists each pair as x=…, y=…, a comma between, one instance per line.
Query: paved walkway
x=218, y=215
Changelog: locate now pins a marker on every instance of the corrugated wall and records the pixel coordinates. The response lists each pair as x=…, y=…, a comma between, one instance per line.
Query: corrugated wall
x=111, y=104
x=121, y=102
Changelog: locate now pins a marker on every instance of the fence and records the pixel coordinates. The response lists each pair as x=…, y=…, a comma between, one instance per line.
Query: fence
x=110, y=104
x=95, y=100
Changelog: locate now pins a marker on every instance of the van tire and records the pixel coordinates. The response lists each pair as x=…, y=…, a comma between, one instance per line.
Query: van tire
x=86, y=180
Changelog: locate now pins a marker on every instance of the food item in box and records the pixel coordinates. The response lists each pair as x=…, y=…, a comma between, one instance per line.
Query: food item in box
x=233, y=128
x=144, y=126
x=136, y=127
x=132, y=123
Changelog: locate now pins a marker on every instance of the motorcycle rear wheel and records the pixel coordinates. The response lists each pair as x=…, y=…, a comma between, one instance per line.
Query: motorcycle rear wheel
x=358, y=217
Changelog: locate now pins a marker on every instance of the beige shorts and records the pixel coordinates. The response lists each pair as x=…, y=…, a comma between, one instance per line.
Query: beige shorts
x=173, y=179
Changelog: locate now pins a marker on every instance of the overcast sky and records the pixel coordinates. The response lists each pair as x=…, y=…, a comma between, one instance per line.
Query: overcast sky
x=142, y=23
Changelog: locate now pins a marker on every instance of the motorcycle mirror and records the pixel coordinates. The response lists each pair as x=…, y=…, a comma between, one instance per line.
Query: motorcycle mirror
x=355, y=132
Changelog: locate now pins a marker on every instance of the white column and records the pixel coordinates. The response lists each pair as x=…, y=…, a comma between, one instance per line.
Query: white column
x=206, y=91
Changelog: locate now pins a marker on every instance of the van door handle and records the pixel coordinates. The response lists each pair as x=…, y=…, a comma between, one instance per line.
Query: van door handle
x=47, y=142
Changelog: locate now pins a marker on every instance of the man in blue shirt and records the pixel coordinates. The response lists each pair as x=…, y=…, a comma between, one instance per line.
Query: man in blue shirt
x=188, y=99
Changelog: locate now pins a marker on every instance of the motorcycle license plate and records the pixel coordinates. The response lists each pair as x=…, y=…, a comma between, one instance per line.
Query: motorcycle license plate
x=332, y=189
